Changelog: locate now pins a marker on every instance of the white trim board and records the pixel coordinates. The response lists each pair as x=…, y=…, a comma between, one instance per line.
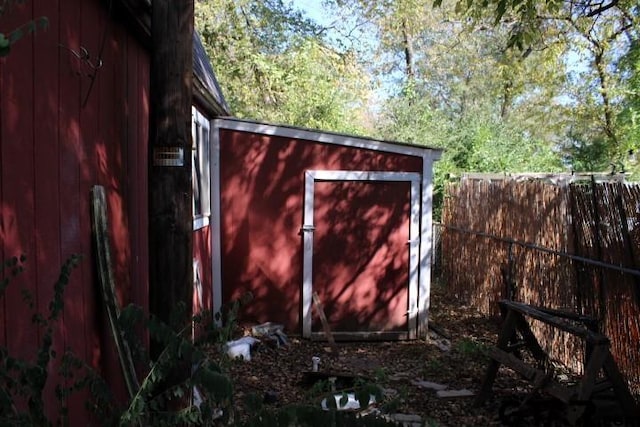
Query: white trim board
x=429, y=156
x=307, y=230
x=327, y=137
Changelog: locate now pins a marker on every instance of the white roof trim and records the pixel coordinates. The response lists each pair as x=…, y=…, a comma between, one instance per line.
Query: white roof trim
x=327, y=137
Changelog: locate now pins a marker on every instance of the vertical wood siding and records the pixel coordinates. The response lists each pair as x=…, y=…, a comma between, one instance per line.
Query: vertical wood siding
x=262, y=191
x=60, y=134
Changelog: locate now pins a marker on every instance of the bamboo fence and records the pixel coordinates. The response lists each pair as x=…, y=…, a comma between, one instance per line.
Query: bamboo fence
x=526, y=240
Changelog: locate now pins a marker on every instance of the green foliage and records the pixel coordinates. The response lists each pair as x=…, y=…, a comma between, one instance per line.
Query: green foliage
x=471, y=349
x=380, y=374
x=181, y=367
x=22, y=381
x=313, y=416
x=433, y=366
x=9, y=38
x=274, y=66
x=475, y=141
x=629, y=117
x=9, y=269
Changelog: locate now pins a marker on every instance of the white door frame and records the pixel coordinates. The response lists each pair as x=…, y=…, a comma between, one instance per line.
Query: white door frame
x=311, y=176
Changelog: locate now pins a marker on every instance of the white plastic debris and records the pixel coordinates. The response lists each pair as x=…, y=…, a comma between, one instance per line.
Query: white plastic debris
x=315, y=361
x=271, y=331
x=351, y=403
x=241, y=348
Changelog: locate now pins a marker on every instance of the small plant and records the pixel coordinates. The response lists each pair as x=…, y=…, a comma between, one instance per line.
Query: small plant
x=471, y=349
x=433, y=366
x=22, y=381
x=8, y=39
x=227, y=319
x=394, y=404
x=380, y=375
x=167, y=394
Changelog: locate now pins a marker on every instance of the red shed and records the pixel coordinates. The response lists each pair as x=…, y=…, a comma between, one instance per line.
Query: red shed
x=303, y=211
x=74, y=112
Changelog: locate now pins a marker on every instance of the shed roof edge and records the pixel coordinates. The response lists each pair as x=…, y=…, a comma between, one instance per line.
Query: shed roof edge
x=327, y=137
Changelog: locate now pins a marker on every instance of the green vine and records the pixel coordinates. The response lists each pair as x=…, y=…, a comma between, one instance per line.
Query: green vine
x=9, y=38
x=22, y=381
x=167, y=394
x=182, y=386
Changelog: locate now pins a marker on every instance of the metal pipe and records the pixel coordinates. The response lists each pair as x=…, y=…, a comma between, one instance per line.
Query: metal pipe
x=584, y=260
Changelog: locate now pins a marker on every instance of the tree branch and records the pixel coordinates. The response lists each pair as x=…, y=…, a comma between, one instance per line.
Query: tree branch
x=602, y=8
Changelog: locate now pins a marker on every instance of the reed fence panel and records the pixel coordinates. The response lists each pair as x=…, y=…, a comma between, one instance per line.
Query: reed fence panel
x=532, y=241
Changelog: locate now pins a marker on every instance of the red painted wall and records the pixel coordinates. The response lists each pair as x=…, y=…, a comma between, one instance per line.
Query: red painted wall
x=262, y=191
x=65, y=127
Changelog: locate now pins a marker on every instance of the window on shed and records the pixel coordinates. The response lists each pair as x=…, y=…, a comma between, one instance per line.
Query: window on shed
x=200, y=163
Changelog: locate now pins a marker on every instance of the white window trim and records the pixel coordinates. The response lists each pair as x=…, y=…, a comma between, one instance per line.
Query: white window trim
x=201, y=220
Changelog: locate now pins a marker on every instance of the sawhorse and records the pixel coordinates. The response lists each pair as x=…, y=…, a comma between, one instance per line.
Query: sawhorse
x=516, y=335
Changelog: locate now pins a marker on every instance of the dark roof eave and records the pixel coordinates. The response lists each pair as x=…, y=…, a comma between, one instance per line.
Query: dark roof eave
x=206, y=90
x=206, y=100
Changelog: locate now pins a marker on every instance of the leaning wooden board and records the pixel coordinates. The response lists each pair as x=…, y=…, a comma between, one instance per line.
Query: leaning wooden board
x=100, y=231
x=325, y=323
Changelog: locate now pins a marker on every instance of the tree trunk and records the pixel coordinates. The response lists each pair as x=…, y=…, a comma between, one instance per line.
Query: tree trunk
x=609, y=125
x=170, y=180
x=407, y=41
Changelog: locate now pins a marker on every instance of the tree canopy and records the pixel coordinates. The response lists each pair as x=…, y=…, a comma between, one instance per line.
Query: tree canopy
x=274, y=66
x=502, y=85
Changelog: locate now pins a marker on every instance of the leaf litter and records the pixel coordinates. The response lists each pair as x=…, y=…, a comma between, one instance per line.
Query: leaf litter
x=410, y=374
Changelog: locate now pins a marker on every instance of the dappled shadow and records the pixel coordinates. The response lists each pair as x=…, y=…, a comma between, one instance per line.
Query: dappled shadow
x=364, y=256
x=61, y=132
x=596, y=222
x=361, y=254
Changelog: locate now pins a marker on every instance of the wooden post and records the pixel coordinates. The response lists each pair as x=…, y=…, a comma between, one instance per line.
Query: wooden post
x=170, y=181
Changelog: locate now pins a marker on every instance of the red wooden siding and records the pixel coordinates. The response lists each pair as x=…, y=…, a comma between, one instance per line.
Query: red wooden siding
x=60, y=134
x=262, y=192
x=361, y=255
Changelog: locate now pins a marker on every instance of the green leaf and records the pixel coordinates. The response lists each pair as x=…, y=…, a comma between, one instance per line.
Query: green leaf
x=344, y=399
x=363, y=396
x=5, y=45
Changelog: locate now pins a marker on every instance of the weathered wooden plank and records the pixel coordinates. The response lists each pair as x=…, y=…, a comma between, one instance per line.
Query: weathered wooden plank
x=621, y=388
x=107, y=285
x=17, y=213
x=325, y=323
x=47, y=183
x=531, y=342
x=362, y=336
x=562, y=324
x=506, y=332
x=587, y=383
x=509, y=360
x=82, y=336
x=588, y=321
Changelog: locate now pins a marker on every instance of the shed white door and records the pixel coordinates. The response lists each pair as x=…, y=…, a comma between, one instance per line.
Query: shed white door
x=361, y=251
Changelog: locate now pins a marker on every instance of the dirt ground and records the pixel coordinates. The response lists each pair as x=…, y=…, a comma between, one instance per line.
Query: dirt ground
x=275, y=374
